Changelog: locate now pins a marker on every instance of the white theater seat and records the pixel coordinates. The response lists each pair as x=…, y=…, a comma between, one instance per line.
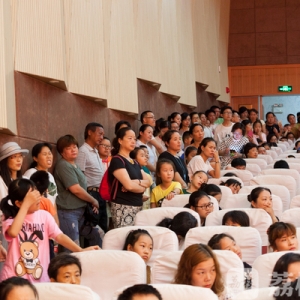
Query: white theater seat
x=291, y=216
x=264, y=265
x=266, y=157
x=105, y=271
x=295, y=202
x=259, y=219
x=165, y=267
x=287, y=181
x=277, y=149
x=253, y=168
x=272, y=153
x=217, y=181
x=290, y=160
x=245, y=175
x=279, y=190
x=163, y=238
x=294, y=166
x=282, y=146
x=151, y=217
x=284, y=172
x=258, y=161
x=226, y=191
x=286, y=154
x=256, y=294
x=247, y=238
x=64, y=291
x=241, y=201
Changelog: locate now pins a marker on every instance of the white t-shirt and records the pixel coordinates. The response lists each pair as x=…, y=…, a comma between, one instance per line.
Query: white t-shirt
x=222, y=132
x=196, y=164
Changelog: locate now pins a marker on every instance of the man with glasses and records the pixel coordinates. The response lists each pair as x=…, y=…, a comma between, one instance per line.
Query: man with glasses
x=223, y=130
x=147, y=117
x=90, y=164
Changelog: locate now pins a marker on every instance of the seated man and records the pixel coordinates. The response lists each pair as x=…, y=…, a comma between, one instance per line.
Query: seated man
x=140, y=292
x=65, y=268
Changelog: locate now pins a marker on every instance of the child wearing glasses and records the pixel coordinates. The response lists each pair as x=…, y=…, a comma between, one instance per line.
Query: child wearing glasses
x=200, y=202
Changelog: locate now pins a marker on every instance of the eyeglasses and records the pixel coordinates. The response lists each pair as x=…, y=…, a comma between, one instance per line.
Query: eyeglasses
x=105, y=146
x=209, y=205
x=152, y=117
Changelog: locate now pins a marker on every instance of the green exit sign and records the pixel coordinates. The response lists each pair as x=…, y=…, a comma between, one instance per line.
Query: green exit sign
x=285, y=88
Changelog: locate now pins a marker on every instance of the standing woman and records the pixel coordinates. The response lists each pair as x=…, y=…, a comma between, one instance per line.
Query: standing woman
x=42, y=160
x=206, y=150
x=185, y=123
x=175, y=117
x=205, y=124
x=72, y=197
x=172, y=140
x=197, y=134
x=132, y=181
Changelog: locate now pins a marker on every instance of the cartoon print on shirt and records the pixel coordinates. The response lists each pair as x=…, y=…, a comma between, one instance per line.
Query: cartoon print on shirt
x=29, y=260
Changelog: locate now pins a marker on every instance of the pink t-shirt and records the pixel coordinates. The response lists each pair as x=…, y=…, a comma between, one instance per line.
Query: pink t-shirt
x=28, y=254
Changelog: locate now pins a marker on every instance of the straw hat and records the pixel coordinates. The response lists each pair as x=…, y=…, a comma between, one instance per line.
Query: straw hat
x=11, y=148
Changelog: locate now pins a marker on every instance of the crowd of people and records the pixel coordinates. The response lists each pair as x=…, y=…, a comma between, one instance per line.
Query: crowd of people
x=67, y=211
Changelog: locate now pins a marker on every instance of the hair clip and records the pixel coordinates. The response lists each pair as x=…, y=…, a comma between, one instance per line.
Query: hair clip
x=9, y=202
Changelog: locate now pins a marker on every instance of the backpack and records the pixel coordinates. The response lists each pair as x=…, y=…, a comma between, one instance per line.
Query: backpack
x=108, y=191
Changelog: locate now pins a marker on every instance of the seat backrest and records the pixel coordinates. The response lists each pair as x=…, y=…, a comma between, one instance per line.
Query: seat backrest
x=163, y=238
x=277, y=149
x=259, y=219
x=291, y=216
x=282, y=146
x=272, y=153
x=264, y=265
x=268, y=158
x=54, y=290
x=287, y=181
x=245, y=175
x=247, y=238
x=294, y=166
x=217, y=181
x=256, y=294
x=284, y=172
x=259, y=161
x=165, y=267
x=182, y=200
x=226, y=191
x=295, y=202
x=105, y=271
x=253, y=168
x=279, y=190
x=241, y=201
x=289, y=160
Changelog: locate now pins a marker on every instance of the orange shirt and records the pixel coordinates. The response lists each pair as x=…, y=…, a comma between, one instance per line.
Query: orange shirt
x=47, y=205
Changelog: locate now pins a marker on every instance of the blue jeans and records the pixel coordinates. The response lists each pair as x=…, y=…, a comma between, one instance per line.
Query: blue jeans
x=71, y=223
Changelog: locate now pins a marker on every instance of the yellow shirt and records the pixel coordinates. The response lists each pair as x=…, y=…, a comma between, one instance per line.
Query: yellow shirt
x=158, y=193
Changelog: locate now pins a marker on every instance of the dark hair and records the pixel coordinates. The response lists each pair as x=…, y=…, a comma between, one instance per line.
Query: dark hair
x=213, y=107
x=296, y=144
x=204, y=143
x=41, y=180
x=5, y=172
x=9, y=284
x=242, y=109
x=62, y=260
x=159, y=164
x=237, y=216
x=144, y=114
x=290, y=133
x=270, y=113
x=214, y=242
x=289, y=116
x=238, y=126
x=193, y=126
x=192, y=114
x=164, y=124
x=266, y=144
x=252, y=110
x=277, y=230
x=173, y=115
x=17, y=190
x=230, y=182
x=281, y=267
x=139, y=289
x=184, y=116
x=133, y=154
x=246, y=122
x=133, y=237
x=180, y=224
x=185, y=135
x=248, y=147
x=168, y=135
x=207, y=112
x=253, y=196
x=188, y=150
x=229, y=174
x=143, y=128
x=210, y=189
x=224, y=108
x=269, y=136
x=120, y=123
x=195, y=197
x=281, y=164
x=120, y=135
x=36, y=150
x=288, y=291
x=65, y=141
x=91, y=126
x=236, y=162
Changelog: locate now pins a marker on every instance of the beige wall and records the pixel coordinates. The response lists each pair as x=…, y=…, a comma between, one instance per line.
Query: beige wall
x=99, y=48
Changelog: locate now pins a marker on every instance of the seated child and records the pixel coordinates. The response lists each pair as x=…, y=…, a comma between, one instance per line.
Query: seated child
x=236, y=218
x=197, y=180
x=212, y=190
x=189, y=153
x=140, y=292
x=233, y=184
x=281, y=164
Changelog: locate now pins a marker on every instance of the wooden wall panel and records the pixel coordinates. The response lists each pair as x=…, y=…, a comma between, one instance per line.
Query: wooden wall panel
x=7, y=92
x=121, y=57
x=169, y=52
x=263, y=80
x=147, y=24
x=39, y=47
x=84, y=39
x=186, y=53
